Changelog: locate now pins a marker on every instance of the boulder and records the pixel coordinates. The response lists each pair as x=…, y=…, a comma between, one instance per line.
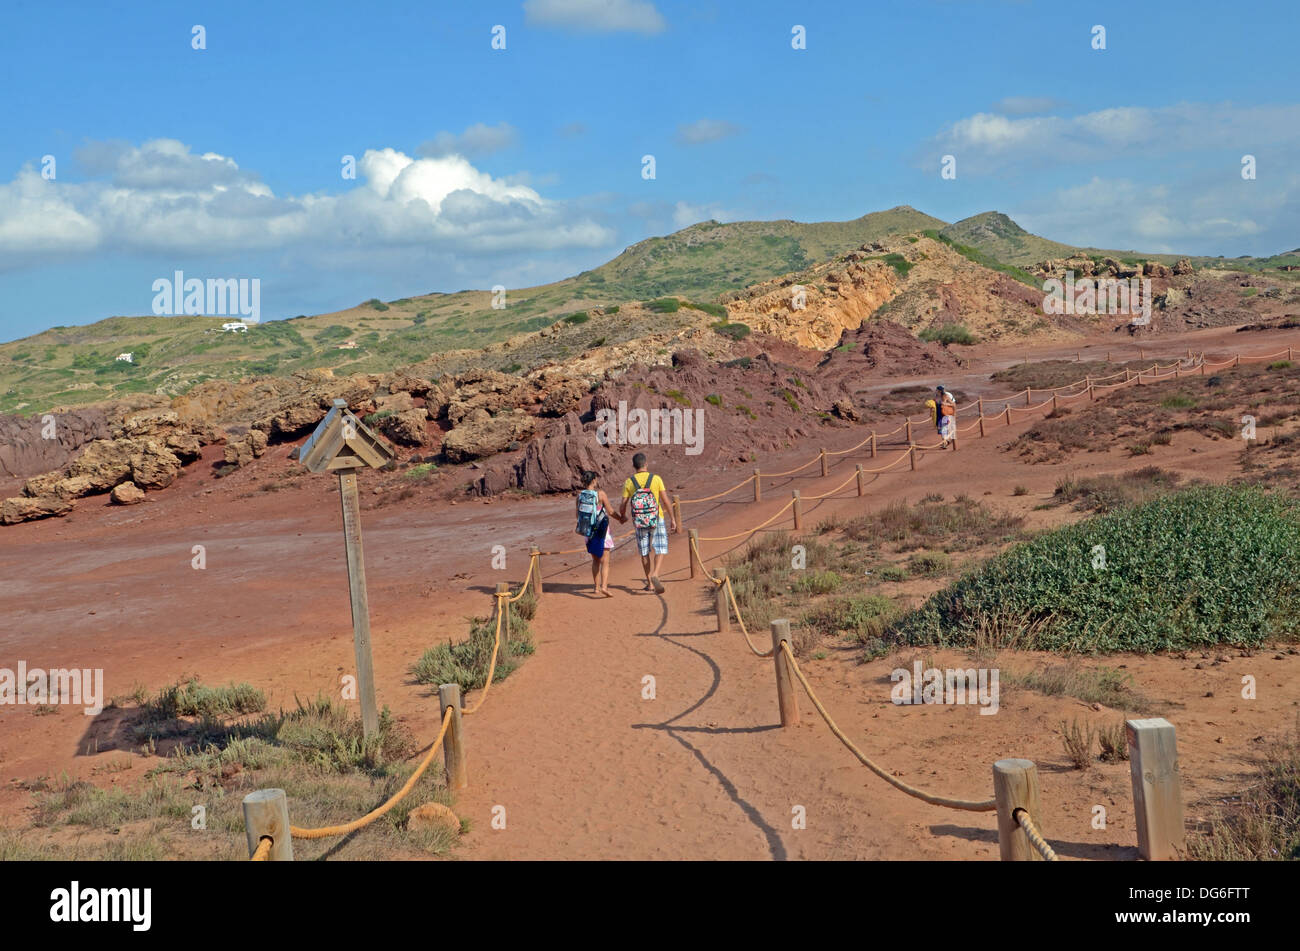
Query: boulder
x=24, y=509
x=394, y=402
x=127, y=493
x=406, y=427
x=106, y=462
x=154, y=466
x=563, y=396
x=433, y=815
x=1183, y=266
x=845, y=410
x=187, y=446
x=482, y=434
x=241, y=450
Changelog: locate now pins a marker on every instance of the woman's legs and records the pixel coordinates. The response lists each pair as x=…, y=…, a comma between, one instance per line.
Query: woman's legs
x=604, y=574
x=596, y=567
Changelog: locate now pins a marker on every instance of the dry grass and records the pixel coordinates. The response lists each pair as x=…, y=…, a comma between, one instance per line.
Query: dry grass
x=1078, y=742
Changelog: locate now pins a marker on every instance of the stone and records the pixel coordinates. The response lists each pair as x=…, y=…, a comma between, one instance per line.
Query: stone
x=23, y=509
x=241, y=450
x=406, y=427
x=126, y=493
x=483, y=435
x=433, y=815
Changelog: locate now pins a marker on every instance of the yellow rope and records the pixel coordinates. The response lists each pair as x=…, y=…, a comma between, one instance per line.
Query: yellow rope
x=834, y=490
x=492, y=667
x=369, y=817
x=710, y=498
x=750, y=531
x=263, y=851
x=731, y=594
x=1035, y=838
x=984, y=805
x=532, y=563
x=777, y=475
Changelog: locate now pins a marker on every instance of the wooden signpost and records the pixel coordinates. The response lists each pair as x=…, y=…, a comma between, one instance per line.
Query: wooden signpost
x=343, y=444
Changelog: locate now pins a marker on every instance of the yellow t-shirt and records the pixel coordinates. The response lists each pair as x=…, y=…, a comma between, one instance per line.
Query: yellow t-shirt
x=656, y=486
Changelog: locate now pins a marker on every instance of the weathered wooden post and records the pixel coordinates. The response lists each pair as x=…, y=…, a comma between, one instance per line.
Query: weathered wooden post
x=911, y=454
x=981, y=425
x=860, y=474
x=721, y=606
x=873, y=444
x=758, y=487
x=503, y=605
x=907, y=434
x=785, y=694
x=1157, y=792
x=266, y=813
x=677, y=514
x=342, y=443
x=1007, y=413
x=1015, y=786
x=1054, y=403
x=798, y=524
x=822, y=453
x=979, y=406
x=1028, y=395
x=535, y=559
x=694, y=537
x=453, y=744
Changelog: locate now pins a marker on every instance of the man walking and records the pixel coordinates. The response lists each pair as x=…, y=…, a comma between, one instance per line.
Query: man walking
x=651, y=507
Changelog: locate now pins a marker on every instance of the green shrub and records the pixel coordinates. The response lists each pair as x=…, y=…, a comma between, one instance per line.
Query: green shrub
x=715, y=310
x=734, y=331
x=578, y=317
x=713, y=398
x=377, y=304
x=664, y=305
x=678, y=396
x=467, y=663
x=948, y=334
x=1208, y=565
x=612, y=310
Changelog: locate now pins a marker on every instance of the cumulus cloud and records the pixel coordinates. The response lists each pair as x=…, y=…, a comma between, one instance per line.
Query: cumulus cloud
x=989, y=140
x=163, y=197
x=478, y=140
x=596, y=16
x=1200, y=216
x=706, y=130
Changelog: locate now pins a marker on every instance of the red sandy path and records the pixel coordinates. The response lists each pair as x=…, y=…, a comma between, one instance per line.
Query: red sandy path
x=584, y=766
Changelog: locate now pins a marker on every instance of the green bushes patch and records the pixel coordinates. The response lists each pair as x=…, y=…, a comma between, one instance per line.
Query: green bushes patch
x=1208, y=565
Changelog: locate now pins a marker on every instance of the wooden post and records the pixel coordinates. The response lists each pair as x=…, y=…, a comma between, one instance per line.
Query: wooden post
x=860, y=474
x=1028, y=395
x=1076, y=356
x=1236, y=361
x=677, y=514
x=873, y=444
x=911, y=454
x=453, y=744
x=535, y=554
x=785, y=694
x=908, y=430
x=1288, y=353
x=1108, y=356
x=360, y=606
x=798, y=523
x=1091, y=397
x=979, y=405
x=266, y=812
x=758, y=487
x=981, y=425
x=1202, y=366
x=1127, y=371
x=694, y=535
x=1054, y=404
x=1007, y=414
x=503, y=605
x=1015, y=786
x=723, y=609
x=1157, y=796
x=825, y=470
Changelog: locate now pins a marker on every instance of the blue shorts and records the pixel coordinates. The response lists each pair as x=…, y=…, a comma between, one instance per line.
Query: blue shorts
x=656, y=535
x=596, y=542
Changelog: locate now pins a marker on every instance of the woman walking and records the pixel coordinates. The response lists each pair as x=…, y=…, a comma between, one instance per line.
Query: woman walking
x=593, y=521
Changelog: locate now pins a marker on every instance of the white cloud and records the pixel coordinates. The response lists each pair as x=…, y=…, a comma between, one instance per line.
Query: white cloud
x=706, y=130
x=161, y=197
x=596, y=16
x=1202, y=216
x=477, y=140
x=989, y=140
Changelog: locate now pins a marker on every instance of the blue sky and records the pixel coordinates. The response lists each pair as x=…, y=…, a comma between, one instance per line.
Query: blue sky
x=478, y=166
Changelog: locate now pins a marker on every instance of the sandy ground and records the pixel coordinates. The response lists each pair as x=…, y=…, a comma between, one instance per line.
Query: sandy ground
x=584, y=766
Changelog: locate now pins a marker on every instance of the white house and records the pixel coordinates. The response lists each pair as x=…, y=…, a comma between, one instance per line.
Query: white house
x=126, y=357
x=237, y=326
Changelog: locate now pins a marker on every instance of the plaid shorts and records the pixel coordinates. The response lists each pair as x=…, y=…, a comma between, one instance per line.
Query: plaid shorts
x=656, y=533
